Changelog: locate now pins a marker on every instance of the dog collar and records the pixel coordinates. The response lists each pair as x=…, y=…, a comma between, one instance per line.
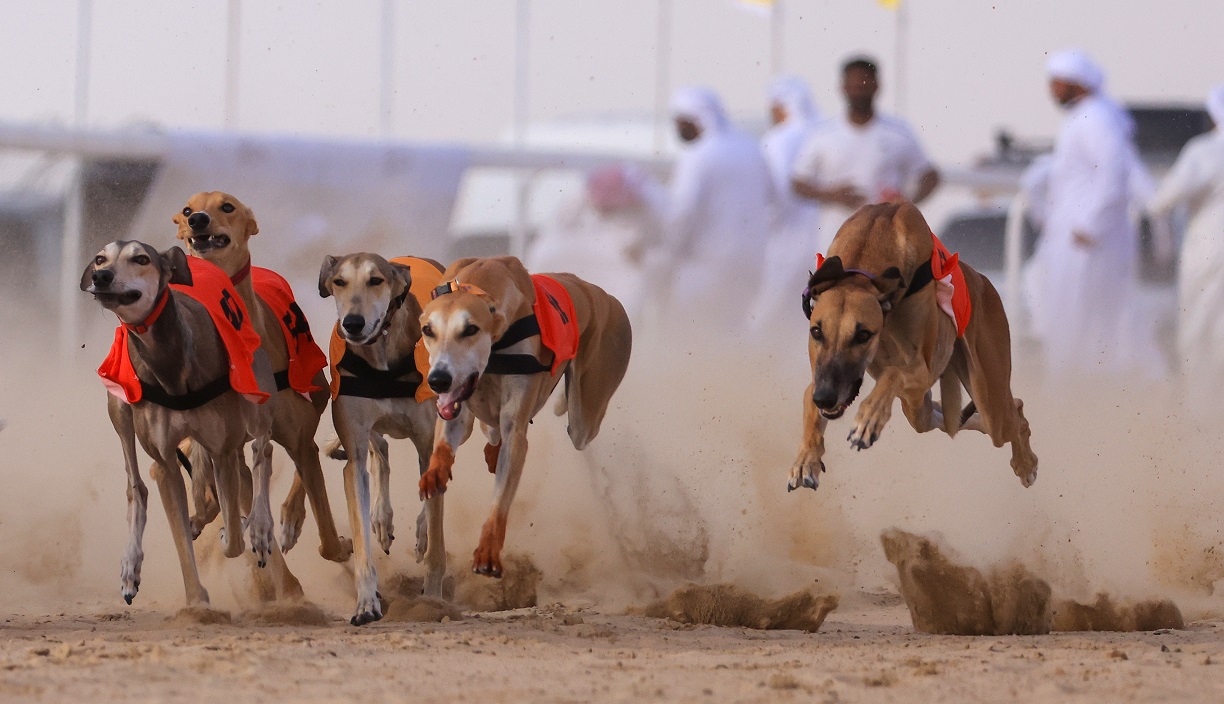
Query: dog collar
x=392, y=308
x=241, y=274
x=453, y=286
x=143, y=326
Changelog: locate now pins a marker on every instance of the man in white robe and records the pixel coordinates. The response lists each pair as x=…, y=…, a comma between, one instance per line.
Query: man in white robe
x=1080, y=282
x=795, y=235
x=860, y=156
x=718, y=216
x=1197, y=181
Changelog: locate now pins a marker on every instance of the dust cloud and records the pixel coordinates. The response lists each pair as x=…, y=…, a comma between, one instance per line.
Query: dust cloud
x=686, y=483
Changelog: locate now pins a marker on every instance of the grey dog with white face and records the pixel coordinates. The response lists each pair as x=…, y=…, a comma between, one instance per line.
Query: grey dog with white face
x=180, y=351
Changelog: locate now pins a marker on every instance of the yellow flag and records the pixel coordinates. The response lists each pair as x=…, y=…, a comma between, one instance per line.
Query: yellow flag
x=890, y=4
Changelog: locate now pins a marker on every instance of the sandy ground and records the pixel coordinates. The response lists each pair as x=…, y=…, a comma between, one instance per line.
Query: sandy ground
x=865, y=652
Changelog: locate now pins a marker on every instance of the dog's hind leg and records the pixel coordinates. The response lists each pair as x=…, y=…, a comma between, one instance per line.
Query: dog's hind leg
x=594, y=375
x=295, y=432
x=382, y=517
x=226, y=470
x=174, y=499
x=805, y=472
x=293, y=513
x=487, y=558
x=137, y=500
x=203, y=489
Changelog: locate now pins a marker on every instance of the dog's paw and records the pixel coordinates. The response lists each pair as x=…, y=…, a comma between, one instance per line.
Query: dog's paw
x=369, y=610
x=805, y=473
x=422, y=534
x=487, y=561
x=260, y=530
x=293, y=516
x=433, y=481
x=869, y=423
x=341, y=552
x=1026, y=472
x=129, y=574
x=232, y=548
x=382, y=526
x=197, y=526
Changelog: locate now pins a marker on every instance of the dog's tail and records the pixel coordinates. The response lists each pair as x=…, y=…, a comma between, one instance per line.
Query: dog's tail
x=950, y=400
x=334, y=449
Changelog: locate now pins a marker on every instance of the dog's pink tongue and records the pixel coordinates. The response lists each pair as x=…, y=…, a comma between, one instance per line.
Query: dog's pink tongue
x=448, y=406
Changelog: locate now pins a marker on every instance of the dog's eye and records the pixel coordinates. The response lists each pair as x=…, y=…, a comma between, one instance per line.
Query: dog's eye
x=426, y=330
x=99, y=260
x=817, y=333
x=187, y=211
x=469, y=331
x=862, y=336
x=375, y=281
x=227, y=207
x=140, y=259
x=339, y=283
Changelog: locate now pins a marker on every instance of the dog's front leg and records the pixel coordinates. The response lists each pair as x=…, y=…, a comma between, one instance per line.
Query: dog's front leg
x=174, y=499
x=511, y=456
x=805, y=472
x=430, y=542
x=448, y=435
x=260, y=527
x=875, y=410
x=356, y=442
x=382, y=517
x=137, y=500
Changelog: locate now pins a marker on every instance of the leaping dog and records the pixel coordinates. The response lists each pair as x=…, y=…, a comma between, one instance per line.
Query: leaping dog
x=891, y=301
x=379, y=389
x=182, y=363
x=499, y=342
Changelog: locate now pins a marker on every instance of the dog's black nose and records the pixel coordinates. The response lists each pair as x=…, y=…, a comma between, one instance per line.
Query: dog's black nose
x=353, y=324
x=440, y=380
x=824, y=398
x=198, y=220
x=103, y=278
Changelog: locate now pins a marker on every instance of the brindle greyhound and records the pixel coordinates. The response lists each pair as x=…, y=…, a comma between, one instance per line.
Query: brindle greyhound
x=869, y=311
x=218, y=227
x=179, y=351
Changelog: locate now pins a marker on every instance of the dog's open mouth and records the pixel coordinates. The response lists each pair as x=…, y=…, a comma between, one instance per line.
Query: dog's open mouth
x=451, y=402
x=837, y=411
x=116, y=299
x=207, y=243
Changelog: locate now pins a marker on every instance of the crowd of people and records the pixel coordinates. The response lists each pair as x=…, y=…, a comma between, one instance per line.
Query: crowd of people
x=731, y=238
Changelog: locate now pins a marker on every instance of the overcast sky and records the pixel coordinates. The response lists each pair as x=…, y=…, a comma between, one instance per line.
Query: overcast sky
x=313, y=67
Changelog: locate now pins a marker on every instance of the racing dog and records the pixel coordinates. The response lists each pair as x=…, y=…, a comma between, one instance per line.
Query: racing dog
x=499, y=340
x=184, y=363
x=217, y=227
x=378, y=389
x=891, y=301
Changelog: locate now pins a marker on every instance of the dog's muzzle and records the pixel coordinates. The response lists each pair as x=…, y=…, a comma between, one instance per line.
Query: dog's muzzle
x=206, y=243
x=100, y=283
x=825, y=398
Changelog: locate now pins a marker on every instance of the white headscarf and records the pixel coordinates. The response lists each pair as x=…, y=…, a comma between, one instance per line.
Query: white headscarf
x=700, y=105
x=1215, y=106
x=793, y=95
x=1074, y=66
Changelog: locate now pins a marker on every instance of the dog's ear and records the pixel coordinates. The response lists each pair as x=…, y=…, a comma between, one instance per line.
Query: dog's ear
x=891, y=287
x=87, y=276
x=403, y=278
x=499, y=323
x=325, y=275
x=252, y=227
x=829, y=273
x=174, y=267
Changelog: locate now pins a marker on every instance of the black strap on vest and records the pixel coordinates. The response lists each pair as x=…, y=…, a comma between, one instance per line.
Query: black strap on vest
x=516, y=364
x=400, y=381
x=922, y=277
x=188, y=401
x=282, y=380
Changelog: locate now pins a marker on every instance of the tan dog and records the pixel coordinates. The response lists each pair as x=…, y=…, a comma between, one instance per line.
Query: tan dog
x=485, y=361
x=377, y=394
x=868, y=312
x=183, y=373
x=218, y=227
